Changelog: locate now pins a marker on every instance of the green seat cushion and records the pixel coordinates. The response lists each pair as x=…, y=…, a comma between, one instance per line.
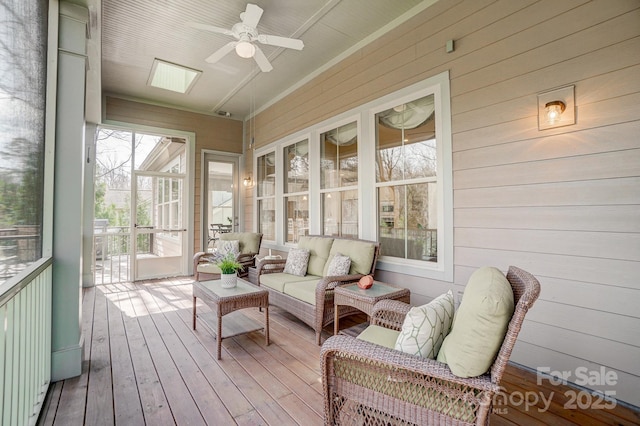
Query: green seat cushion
x=480, y=324
x=278, y=280
x=319, y=248
x=425, y=327
x=303, y=290
x=208, y=268
x=360, y=252
x=380, y=336
x=249, y=242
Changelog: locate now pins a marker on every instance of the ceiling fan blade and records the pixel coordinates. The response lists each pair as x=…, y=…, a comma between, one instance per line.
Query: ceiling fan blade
x=290, y=43
x=262, y=60
x=251, y=16
x=220, y=53
x=211, y=28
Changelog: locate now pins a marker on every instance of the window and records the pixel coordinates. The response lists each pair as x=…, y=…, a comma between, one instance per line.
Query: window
x=23, y=46
x=406, y=180
x=296, y=190
x=381, y=171
x=266, y=191
x=339, y=180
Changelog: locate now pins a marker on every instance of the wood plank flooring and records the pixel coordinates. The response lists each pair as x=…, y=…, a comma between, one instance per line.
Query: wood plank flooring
x=146, y=366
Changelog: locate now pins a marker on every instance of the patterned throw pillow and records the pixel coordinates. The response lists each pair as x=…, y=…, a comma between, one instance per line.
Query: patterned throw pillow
x=426, y=326
x=229, y=246
x=297, y=261
x=339, y=265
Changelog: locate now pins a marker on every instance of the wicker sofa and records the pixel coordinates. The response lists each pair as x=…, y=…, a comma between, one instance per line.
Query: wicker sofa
x=204, y=264
x=366, y=383
x=310, y=298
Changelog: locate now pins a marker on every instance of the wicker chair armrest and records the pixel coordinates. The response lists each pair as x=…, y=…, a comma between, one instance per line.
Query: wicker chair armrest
x=202, y=257
x=270, y=266
x=389, y=313
x=329, y=283
x=396, y=362
x=246, y=258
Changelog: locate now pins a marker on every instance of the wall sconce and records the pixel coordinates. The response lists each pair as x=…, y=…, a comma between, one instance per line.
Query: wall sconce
x=248, y=182
x=556, y=108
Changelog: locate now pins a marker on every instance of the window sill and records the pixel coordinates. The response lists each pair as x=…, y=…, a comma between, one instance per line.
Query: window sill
x=416, y=268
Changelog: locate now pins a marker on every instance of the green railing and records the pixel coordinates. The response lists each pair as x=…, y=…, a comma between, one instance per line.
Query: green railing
x=25, y=345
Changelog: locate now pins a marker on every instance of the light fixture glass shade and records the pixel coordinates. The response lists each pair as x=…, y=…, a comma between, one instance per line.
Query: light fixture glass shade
x=244, y=49
x=554, y=111
x=247, y=182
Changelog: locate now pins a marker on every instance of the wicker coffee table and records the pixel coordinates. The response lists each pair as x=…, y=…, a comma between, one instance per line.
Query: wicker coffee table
x=223, y=301
x=352, y=295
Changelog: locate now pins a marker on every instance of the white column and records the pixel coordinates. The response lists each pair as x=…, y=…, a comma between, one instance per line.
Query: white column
x=66, y=340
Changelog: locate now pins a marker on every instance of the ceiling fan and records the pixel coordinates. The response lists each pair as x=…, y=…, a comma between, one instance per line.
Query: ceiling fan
x=246, y=35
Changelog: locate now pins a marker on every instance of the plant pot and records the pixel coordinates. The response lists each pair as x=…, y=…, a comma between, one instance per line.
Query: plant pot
x=228, y=280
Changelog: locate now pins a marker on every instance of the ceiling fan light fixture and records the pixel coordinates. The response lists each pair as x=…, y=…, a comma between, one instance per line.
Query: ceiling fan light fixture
x=245, y=49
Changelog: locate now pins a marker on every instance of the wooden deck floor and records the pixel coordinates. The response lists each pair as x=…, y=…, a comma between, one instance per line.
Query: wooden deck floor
x=145, y=365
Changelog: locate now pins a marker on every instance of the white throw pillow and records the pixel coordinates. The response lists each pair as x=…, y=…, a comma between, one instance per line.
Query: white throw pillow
x=338, y=265
x=425, y=327
x=297, y=261
x=229, y=246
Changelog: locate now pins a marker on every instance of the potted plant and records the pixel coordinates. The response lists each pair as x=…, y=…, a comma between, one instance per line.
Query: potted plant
x=229, y=267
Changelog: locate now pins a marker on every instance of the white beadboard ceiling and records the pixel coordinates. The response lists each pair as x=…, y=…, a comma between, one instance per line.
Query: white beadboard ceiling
x=136, y=32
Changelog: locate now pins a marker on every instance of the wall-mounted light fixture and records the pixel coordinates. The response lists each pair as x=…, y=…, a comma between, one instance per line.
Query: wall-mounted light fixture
x=248, y=182
x=556, y=108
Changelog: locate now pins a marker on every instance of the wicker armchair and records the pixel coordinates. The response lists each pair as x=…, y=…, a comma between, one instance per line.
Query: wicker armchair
x=249, y=244
x=369, y=384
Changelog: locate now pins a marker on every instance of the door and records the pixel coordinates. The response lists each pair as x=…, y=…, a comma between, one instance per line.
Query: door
x=220, y=194
x=140, y=206
x=159, y=232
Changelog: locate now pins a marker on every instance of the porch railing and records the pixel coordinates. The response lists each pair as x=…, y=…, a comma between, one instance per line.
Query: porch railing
x=25, y=345
x=112, y=253
x=19, y=247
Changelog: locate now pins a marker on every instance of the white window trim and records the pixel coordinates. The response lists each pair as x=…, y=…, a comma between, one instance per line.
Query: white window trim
x=256, y=217
x=437, y=85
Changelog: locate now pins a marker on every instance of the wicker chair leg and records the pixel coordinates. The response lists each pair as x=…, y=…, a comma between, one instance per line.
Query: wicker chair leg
x=318, y=336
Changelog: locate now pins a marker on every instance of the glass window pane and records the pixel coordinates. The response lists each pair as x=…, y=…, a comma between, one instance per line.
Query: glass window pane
x=340, y=213
x=166, y=189
x=391, y=229
x=349, y=214
x=296, y=163
x=159, y=153
x=296, y=217
x=159, y=191
x=175, y=218
x=405, y=141
x=266, y=169
x=408, y=221
x=175, y=189
x=267, y=218
x=339, y=156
